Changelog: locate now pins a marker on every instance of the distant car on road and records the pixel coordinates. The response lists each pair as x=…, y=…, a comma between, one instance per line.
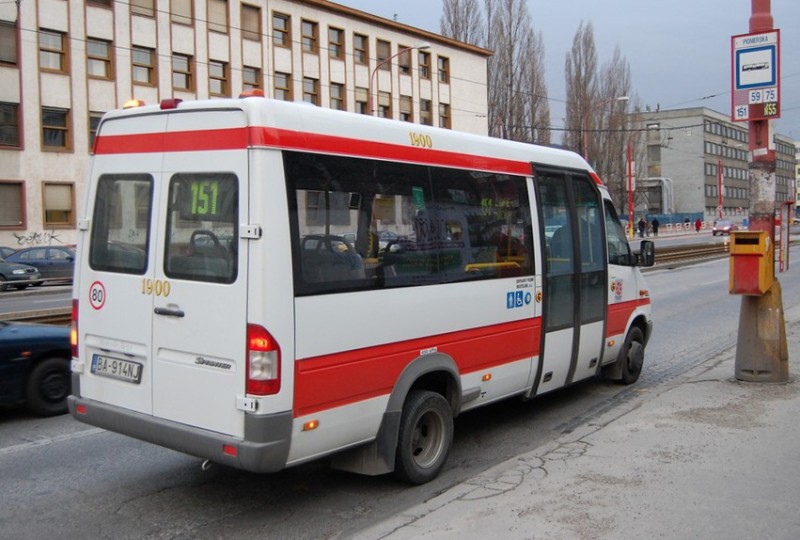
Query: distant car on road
x=5, y=251
x=55, y=263
x=723, y=227
x=34, y=366
x=17, y=275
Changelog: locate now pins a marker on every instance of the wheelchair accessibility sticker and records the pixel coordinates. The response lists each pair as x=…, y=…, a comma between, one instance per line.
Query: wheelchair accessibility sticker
x=517, y=299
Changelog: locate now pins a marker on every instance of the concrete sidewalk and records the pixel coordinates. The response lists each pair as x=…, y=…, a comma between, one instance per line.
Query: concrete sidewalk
x=702, y=456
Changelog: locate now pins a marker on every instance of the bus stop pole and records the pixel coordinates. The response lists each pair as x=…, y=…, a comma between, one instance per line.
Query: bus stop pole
x=761, y=351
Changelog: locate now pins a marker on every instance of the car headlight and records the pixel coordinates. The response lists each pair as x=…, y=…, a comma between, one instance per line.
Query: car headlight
x=20, y=272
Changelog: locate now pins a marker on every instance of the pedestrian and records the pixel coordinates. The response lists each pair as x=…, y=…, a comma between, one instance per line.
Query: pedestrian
x=649, y=227
x=655, y=226
x=697, y=224
x=641, y=225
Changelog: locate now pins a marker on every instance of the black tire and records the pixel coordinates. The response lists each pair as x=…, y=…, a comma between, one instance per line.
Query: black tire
x=632, y=356
x=48, y=387
x=425, y=437
x=3, y=285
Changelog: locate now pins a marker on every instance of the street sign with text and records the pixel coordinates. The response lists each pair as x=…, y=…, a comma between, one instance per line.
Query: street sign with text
x=755, y=76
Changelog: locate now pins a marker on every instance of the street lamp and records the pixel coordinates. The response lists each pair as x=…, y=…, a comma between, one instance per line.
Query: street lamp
x=373, y=86
x=585, y=122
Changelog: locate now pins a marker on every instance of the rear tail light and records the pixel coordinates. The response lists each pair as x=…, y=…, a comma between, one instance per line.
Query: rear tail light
x=73, y=332
x=263, y=362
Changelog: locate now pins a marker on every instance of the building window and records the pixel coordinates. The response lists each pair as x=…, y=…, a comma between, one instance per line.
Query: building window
x=444, y=69
x=98, y=62
x=311, y=90
x=94, y=123
x=143, y=65
x=12, y=199
x=406, y=109
x=424, y=65
x=9, y=124
x=384, y=104
x=59, y=204
x=281, y=30
x=404, y=60
x=251, y=78
x=336, y=43
x=182, y=78
x=384, y=51
x=251, y=22
x=181, y=11
x=218, y=78
x=362, y=101
x=52, y=51
x=8, y=42
x=444, y=115
x=283, y=86
x=360, y=49
x=337, y=96
x=425, y=112
x=143, y=7
x=309, y=31
x=104, y=3
x=218, y=16
x=55, y=129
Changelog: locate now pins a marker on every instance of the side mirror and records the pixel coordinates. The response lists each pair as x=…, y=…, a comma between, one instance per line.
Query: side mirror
x=647, y=253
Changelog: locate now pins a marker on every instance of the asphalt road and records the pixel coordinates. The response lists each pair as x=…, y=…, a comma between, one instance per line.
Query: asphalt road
x=62, y=477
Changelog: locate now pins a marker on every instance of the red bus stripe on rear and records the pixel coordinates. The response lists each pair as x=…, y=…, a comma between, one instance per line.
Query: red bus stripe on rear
x=329, y=381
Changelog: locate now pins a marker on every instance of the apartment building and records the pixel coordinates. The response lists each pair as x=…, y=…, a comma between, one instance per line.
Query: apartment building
x=65, y=63
x=689, y=146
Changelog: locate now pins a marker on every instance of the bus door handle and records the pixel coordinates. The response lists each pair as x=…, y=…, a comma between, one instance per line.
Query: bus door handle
x=169, y=312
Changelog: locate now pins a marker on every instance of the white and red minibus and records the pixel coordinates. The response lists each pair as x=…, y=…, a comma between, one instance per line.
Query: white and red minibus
x=262, y=283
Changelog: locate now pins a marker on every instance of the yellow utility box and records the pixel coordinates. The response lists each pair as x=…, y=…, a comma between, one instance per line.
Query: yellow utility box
x=752, y=264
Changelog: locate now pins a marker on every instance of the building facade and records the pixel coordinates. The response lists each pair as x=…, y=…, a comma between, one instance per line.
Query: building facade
x=691, y=147
x=65, y=63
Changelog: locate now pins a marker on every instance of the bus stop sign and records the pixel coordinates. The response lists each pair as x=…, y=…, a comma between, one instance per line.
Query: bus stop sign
x=755, y=76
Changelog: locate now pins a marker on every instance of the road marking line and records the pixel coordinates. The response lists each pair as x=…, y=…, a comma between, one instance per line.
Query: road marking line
x=49, y=440
x=712, y=282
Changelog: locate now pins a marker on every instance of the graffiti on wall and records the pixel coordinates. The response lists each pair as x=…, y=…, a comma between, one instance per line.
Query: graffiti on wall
x=43, y=238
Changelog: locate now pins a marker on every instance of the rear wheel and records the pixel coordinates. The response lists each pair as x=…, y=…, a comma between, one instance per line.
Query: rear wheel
x=425, y=437
x=48, y=387
x=3, y=285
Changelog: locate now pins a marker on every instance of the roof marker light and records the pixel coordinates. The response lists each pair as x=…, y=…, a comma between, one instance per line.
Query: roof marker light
x=133, y=103
x=170, y=103
x=253, y=92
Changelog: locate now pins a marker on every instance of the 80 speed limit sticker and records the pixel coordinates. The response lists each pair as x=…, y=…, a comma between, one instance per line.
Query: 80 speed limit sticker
x=97, y=295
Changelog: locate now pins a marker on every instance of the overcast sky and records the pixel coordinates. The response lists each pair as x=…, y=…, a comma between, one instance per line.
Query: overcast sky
x=679, y=51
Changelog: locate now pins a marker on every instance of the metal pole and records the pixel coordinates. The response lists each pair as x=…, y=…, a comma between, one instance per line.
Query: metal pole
x=630, y=192
x=761, y=352
x=373, y=86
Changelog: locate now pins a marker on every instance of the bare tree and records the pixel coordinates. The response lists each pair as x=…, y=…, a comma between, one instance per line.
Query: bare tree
x=462, y=20
x=580, y=71
x=518, y=109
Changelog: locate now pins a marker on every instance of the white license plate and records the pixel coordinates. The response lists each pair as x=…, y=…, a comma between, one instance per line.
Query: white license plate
x=124, y=370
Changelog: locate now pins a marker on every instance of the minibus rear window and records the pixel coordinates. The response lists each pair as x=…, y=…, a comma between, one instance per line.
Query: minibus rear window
x=121, y=223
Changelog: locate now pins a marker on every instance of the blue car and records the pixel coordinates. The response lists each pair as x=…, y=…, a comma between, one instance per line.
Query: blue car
x=35, y=366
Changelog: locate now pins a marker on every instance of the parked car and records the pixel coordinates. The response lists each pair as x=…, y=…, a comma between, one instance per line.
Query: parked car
x=34, y=366
x=55, y=263
x=17, y=275
x=5, y=251
x=723, y=227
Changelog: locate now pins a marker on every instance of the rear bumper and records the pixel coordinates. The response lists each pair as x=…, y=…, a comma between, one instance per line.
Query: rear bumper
x=265, y=447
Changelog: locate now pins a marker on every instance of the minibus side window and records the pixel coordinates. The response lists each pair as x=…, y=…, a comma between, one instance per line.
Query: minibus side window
x=619, y=251
x=201, y=235
x=120, y=234
x=361, y=224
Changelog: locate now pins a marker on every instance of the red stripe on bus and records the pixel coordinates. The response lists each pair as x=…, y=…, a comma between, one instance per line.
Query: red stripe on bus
x=329, y=144
x=241, y=138
x=619, y=315
x=329, y=381
x=173, y=141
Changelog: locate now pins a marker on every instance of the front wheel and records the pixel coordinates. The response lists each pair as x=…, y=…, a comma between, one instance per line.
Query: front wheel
x=425, y=437
x=632, y=356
